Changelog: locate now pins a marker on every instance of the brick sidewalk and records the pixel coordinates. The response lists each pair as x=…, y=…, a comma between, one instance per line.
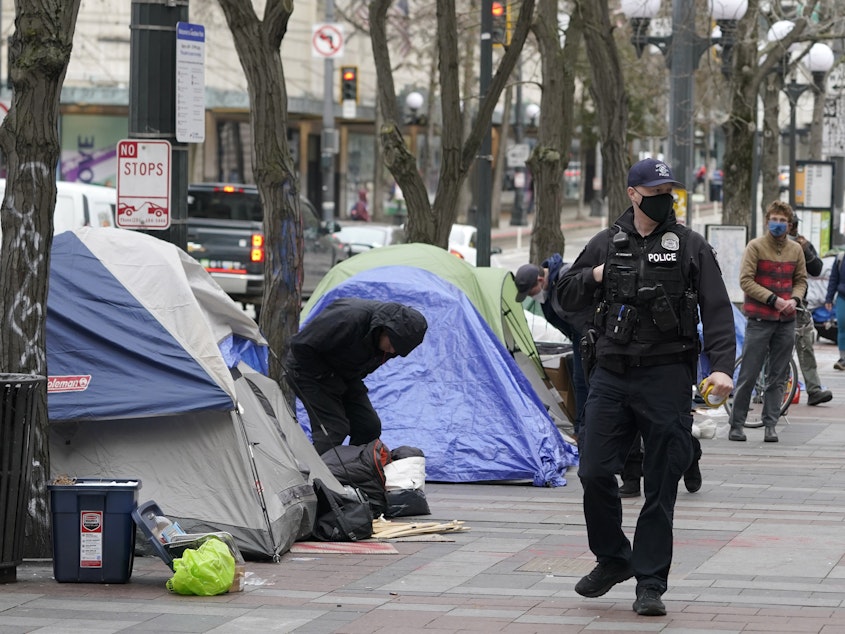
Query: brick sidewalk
x=759, y=548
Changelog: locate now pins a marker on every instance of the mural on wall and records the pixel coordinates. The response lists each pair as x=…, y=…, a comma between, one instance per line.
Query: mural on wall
x=89, y=147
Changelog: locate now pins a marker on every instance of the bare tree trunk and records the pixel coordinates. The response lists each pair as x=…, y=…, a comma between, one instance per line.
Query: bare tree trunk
x=500, y=161
x=747, y=75
x=608, y=90
x=432, y=223
x=258, y=44
x=554, y=132
x=469, y=69
x=39, y=51
x=771, y=140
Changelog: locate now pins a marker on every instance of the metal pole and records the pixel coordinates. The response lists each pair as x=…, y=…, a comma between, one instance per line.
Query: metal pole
x=329, y=137
x=755, y=180
x=792, y=149
x=152, y=97
x=681, y=68
x=793, y=91
x=518, y=213
x=483, y=164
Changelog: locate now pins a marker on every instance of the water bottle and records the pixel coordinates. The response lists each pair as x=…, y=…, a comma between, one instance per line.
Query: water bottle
x=165, y=530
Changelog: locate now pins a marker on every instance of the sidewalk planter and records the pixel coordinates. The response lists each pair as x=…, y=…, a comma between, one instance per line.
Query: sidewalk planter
x=18, y=397
x=93, y=530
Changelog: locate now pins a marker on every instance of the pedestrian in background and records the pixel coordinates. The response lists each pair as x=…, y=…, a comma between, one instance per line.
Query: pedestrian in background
x=805, y=330
x=651, y=277
x=773, y=277
x=836, y=288
x=537, y=282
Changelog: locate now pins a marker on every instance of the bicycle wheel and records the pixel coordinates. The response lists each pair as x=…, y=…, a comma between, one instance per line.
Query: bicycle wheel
x=755, y=407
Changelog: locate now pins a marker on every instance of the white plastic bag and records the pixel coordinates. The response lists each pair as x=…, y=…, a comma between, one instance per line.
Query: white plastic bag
x=406, y=473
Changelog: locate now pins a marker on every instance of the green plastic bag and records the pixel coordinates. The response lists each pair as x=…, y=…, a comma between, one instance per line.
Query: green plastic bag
x=205, y=571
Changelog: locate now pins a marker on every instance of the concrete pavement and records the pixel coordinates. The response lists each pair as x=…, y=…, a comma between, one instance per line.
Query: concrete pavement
x=759, y=548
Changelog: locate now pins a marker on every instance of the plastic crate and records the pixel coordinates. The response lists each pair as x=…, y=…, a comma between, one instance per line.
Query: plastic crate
x=145, y=517
x=93, y=530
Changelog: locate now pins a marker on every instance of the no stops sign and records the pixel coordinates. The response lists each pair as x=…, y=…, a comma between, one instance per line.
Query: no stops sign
x=143, y=184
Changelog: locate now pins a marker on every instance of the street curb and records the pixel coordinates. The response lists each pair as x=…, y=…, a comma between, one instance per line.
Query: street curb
x=513, y=231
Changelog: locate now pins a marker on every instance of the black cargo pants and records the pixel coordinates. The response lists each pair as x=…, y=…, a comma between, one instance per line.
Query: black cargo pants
x=654, y=401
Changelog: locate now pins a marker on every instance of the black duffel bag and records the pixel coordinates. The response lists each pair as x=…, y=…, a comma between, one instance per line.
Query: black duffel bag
x=341, y=518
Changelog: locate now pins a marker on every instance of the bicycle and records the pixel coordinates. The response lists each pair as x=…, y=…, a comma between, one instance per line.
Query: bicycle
x=755, y=408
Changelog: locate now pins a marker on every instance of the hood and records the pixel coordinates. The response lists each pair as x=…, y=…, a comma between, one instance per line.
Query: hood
x=405, y=326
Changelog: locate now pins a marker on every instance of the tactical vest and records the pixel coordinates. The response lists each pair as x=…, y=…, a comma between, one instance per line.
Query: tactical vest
x=648, y=306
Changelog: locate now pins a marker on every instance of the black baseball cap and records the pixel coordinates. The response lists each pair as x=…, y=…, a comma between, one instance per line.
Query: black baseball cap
x=526, y=277
x=650, y=173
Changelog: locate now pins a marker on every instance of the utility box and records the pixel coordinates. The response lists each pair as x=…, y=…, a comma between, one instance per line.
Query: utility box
x=93, y=530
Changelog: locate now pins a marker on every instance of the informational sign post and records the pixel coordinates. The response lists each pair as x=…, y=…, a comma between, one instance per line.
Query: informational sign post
x=143, y=184
x=190, y=82
x=729, y=243
x=814, y=184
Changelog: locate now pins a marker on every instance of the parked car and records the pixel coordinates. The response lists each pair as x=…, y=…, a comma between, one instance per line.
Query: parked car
x=226, y=235
x=462, y=243
x=80, y=205
x=358, y=237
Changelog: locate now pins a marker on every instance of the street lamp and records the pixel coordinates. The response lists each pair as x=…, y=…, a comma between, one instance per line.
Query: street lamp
x=414, y=101
x=532, y=111
x=818, y=61
x=682, y=50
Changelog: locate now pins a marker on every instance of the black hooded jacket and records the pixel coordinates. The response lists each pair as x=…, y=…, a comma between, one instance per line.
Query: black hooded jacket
x=343, y=339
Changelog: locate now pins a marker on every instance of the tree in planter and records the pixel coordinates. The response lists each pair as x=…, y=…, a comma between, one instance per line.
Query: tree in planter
x=428, y=222
x=258, y=43
x=39, y=51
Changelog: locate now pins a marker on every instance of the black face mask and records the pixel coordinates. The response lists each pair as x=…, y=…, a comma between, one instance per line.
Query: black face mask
x=657, y=207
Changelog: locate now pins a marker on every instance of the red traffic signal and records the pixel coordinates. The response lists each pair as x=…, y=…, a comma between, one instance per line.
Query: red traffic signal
x=500, y=28
x=349, y=83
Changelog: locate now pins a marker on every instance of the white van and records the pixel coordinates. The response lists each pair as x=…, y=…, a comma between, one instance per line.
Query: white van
x=80, y=205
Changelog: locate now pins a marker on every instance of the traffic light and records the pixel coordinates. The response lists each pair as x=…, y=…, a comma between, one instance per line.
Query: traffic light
x=349, y=83
x=500, y=31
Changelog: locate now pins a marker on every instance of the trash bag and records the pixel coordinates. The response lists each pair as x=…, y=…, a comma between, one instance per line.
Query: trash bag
x=205, y=571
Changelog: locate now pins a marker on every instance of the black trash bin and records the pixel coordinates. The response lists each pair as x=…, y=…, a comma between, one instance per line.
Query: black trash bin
x=18, y=397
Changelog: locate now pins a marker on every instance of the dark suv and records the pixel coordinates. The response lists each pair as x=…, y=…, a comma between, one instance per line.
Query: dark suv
x=225, y=234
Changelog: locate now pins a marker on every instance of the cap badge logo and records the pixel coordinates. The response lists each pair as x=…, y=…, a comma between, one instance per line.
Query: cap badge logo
x=662, y=170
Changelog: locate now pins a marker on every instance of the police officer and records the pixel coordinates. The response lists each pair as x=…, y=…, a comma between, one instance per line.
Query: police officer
x=648, y=277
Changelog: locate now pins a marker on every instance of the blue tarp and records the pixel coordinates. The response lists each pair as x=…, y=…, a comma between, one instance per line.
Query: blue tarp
x=460, y=396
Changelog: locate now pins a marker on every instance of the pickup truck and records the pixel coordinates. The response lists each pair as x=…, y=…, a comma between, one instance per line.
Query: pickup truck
x=226, y=235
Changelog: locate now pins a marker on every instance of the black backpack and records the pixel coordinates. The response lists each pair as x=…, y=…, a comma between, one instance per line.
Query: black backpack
x=341, y=518
x=362, y=466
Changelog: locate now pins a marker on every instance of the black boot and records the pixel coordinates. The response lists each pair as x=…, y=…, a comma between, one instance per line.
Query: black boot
x=770, y=435
x=630, y=489
x=736, y=433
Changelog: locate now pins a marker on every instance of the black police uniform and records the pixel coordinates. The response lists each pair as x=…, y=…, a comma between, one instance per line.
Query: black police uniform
x=647, y=308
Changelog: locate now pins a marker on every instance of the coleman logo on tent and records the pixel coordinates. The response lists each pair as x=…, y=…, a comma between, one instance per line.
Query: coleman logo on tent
x=77, y=383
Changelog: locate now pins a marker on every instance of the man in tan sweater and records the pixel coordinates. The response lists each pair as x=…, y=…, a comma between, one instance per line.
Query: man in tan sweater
x=773, y=276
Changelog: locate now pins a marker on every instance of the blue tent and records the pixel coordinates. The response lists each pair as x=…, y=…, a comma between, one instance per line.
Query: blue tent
x=155, y=375
x=117, y=313
x=460, y=396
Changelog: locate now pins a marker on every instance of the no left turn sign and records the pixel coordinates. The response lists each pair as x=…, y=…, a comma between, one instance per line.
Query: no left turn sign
x=327, y=41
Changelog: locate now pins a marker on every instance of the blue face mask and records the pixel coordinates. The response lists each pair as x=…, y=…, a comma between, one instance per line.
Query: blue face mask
x=777, y=229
